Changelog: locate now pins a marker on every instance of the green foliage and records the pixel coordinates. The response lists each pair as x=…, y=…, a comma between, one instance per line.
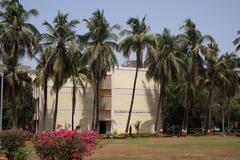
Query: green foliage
x=236, y=41
x=115, y=132
x=16, y=41
x=21, y=154
x=173, y=110
x=235, y=108
x=78, y=127
x=137, y=39
x=25, y=108
x=137, y=126
x=13, y=142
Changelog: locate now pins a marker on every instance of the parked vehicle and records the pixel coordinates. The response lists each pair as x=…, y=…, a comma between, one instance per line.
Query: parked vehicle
x=235, y=130
x=215, y=129
x=173, y=130
x=195, y=131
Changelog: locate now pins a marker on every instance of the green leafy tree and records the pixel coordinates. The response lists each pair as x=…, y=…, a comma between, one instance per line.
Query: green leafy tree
x=23, y=85
x=15, y=39
x=200, y=110
x=173, y=107
x=235, y=108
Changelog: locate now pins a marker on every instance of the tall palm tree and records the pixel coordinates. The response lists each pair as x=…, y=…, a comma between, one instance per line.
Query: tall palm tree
x=42, y=77
x=194, y=42
x=79, y=74
x=100, y=41
x=215, y=68
x=231, y=85
x=60, y=37
x=16, y=38
x=137, y=41
x=163, y=66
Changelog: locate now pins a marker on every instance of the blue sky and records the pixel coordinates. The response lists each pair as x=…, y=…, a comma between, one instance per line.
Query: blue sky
x=219, y=18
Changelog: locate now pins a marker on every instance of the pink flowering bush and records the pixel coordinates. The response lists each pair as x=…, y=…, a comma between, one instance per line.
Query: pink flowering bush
x=65, y=145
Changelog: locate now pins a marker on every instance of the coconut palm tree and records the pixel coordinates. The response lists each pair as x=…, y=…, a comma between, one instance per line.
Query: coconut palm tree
x=42, y=77
x=231, y=84
x=60, y=37
x=194, y=42
x=100, y=42
x=79, y=74
x=137, y=41
x=163, y=66
x=15, y=38
x=215, y=68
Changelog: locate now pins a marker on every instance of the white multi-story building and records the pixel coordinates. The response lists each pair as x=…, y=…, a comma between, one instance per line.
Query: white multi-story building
x=115, y=98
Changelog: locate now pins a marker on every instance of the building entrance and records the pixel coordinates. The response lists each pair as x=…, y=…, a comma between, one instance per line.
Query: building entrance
x=104, y=127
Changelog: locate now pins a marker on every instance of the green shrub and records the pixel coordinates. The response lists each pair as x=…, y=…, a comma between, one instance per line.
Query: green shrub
x=78, y=127
x=137, y=126
x=13, y=141
x=21, y=154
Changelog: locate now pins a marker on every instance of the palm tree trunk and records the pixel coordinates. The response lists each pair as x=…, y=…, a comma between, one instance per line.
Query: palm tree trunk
x=223, y=128
x=14, y=109
x=187, y=114
x=45, y=103
x=184, y=119
x=94, y=111
x=228, y=114
x=73, y=102
x=162, y=103
x=131, y=105
x=202, y=121
x=189, y=98
x=188, y=103
x=56, y=106
x=209, y=101
x=97, y=107
x=201, y=116
x=159, y=109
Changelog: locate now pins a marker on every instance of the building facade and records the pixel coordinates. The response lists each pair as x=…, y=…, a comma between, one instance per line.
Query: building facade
x=115, y=98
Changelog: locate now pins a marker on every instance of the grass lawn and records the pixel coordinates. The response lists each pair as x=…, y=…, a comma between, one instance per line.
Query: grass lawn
x=186, y=148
